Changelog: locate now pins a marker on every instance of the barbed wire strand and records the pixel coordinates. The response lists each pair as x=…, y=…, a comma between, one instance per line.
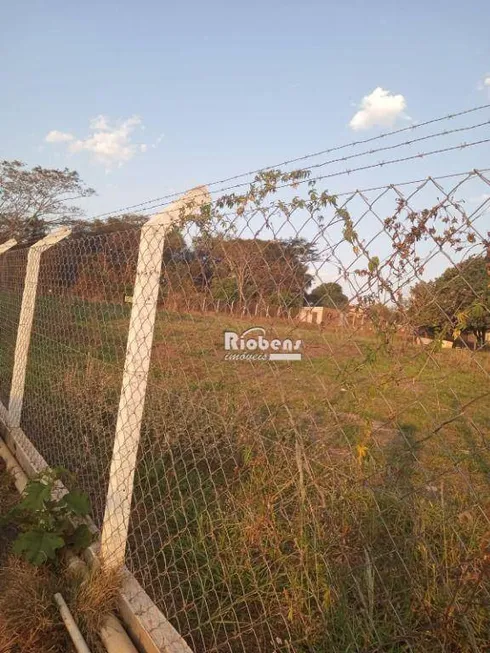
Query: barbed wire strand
x=340, y=173
x=305, y=157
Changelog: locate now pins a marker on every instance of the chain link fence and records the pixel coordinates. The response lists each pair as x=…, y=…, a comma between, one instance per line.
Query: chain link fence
x=311, y=470
x=76, y=356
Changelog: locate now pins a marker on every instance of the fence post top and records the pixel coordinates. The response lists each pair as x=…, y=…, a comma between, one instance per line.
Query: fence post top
x=194, y=199
x=52, y=238
x=7, y=245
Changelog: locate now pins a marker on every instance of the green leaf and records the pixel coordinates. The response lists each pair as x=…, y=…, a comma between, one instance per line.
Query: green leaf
x=62, y=474
x=36, y=495
x=37, y=546
x=76, y=501
x=81, y=538
x=373, y=264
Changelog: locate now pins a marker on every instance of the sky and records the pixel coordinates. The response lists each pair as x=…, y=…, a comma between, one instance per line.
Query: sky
x=148, y=98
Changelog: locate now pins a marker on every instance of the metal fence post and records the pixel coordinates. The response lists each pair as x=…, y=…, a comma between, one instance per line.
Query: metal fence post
x=135, y=375
x=25, y=321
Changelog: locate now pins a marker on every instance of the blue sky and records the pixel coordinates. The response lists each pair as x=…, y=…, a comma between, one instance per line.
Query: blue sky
x=218, y=88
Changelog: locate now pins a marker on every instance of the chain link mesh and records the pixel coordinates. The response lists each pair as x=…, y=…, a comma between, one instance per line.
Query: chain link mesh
x=76, y=356
x=336, y=503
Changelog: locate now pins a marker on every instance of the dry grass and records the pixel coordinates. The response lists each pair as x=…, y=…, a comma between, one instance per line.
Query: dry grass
x=29, y=619
x=91, y=599
x=340, y=504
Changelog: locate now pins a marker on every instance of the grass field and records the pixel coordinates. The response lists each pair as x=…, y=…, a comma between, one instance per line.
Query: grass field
x=339, y=503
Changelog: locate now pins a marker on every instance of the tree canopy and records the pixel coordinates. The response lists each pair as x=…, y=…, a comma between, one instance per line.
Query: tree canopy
x=457, y=301
x=32, y=200
x=329, y=295
x=244, y=270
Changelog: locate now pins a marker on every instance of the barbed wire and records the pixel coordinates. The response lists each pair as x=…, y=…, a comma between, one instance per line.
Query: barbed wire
x=379, y=164
x=305, y=157
x=446, y=132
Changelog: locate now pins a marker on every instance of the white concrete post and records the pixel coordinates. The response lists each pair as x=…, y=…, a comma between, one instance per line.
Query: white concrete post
x=25, y=321
x=135, y=375
x=8, y=245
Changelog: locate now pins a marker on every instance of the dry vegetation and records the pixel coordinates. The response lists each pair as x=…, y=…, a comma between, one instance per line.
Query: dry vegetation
x=29, y=617
x=337, y=504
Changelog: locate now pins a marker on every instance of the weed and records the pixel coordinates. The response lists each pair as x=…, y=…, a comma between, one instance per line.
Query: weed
x=46, y=519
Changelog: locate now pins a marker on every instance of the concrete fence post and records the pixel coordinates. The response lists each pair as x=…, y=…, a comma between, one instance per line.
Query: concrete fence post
x=7, y=245
x=25, y=321
x=135, y=375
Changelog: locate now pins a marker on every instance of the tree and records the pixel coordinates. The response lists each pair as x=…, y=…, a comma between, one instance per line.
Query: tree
x=456, y=302
x=107, y=263
x=329, y=294
x=111, y=224
x=254, y=270
x=33, y=200
x=225, y=290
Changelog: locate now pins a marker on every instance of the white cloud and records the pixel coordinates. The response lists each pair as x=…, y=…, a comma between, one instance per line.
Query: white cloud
x=109, y=143
x=55, y=136
x=378, y=108
x=99, y=123
x=486, y=81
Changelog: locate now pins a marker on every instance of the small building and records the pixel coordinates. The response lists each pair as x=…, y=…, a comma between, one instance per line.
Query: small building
x=311, y=314
x=350, y=317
